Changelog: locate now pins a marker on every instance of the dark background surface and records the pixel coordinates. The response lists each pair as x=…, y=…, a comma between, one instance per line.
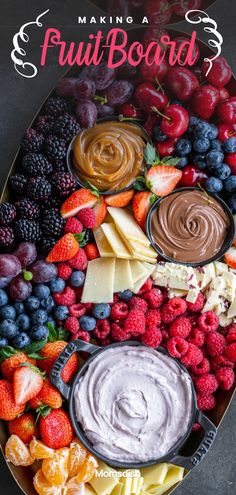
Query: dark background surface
x=20, y=99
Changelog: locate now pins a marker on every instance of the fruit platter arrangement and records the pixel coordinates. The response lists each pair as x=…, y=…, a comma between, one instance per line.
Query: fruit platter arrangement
x=118, y=279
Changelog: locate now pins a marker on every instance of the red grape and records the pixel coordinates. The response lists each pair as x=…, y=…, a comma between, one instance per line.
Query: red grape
x=119, y=92
x=26, y=253
x=43, y=272
x=86, y=113
x=65, y=87
x=104, y=110
x=101, y=75
x=9, y=265
x=19, y=289
x=84, y=89
x=4, y=281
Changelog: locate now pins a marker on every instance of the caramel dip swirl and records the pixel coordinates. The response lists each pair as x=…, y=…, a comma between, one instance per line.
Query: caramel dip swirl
x=133, y=403
x=189, y=226
x=109, y=155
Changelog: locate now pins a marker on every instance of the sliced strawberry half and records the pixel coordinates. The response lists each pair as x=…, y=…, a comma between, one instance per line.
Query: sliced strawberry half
x=141, y=204
x=100, y=210
x=27, y=383
x=65, y=249
x=162, y=179
x=83, y=198
x=230, y=257
x=120, y=200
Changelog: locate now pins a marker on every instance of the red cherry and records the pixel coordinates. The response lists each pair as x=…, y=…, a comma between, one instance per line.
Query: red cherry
x=224, y=94
x=154, y=72
x=227, y=111
x=175, y=121
x=230, y=159
x=198, y=73
x=149, y=98
x=181, y=82
x=153, y=34
x=220, y=73
x=205, y=100
x=181, y=7
x=226, y=131
x=158, y=11
x=167, y=148
x=191, y=176
x=129, y=110
x=196, y=52
x=150, y=123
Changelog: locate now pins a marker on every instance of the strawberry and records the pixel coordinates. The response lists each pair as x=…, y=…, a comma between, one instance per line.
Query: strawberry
x=8, y=407
x=119, y=200
x=91, y=251
x=51, y=352
x=9, y=365
x=48, y=396
x=65, y=249
x=141, y=203
x=162, y=179
x=100, y=210
x=24, y=427
x=56, y=429
x=27, y=382
x=230, y=257
x=83, y=198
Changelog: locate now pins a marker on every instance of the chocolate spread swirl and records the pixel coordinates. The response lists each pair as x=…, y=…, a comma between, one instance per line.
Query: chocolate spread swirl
x=189, y=226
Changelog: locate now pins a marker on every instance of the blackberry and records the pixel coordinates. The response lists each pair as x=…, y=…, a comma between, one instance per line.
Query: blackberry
x=6, y=237
x=59, y=166
x=53, y=223
x=45, y=124
x=46, y=244
x=88, y=236
x=18, y=182
x=52, y=202
x=7, y=213
x=63, y=183
x=34, y=164
x=55, y=148
x=27, y=230
x=27, y=209
x=39, y=188
x=56, y=106
x=66, y=127
x=32, y=141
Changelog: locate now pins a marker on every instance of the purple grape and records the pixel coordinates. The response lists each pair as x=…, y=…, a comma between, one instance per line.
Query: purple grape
x=127, y=71
x=4, y=281
x=84, y=89
x=119, y=92
x=101, y=75
x=43, y=272
x=86, y=113
x=117, y=7
x=65, y=87
x=26, y=253
x=19, y=289
x=104, y=110
x=9, y=265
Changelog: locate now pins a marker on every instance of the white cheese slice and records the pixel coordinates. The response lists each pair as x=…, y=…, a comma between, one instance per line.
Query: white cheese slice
x=123, y=276
x=138, y=270
x=99, y=281
x=103, y=245
x=115, y=241
x=154, y=475
x=127, y=225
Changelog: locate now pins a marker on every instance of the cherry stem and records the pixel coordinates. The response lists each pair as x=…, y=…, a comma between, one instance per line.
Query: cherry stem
x=122, y=118
x=154, y=109
x=159, y=85
x=101, y=99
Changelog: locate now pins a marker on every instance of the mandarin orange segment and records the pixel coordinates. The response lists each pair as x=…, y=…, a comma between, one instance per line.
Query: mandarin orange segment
x=77, y=456
x=88, y=469
x=43, y=487
x=55, y=468
x=39, y=450
x=17, y=452
x=73, y=487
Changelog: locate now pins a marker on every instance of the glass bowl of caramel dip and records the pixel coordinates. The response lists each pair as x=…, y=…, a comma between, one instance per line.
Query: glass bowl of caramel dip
x=108, y=156
x=190, y=227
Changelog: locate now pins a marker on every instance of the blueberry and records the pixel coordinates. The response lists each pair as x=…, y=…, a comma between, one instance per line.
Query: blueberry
x=214, y=159
x=230, y=183
x=202, y=129
x=8, y=329
x=3, y=342
x=200, y=161
x=39, y=332
x=201, y=145
x=182, y=162
x=176, y=102
x=19, y=308
x=39, y=317
x=223, y=172
x=21, y=340
x=183, y=147
x=51, y=320
x=158, y=135
x=216, y=145
x=41, y=291
x=77, y=278
x=230, y=145
x=193, y=121
x=57, y=285
x=32, y=303
x=3, y=298
x=232, y=203
x=87, y=323
x=23, y=322
x=101, y=311
x=48, y=304
x=126, y=295
x=61, y=312
x=213, y=185
x=213, y=132
x=8, y=312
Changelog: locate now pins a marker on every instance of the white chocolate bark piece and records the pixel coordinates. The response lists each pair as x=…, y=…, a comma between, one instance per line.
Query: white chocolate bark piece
x=192, y=295
x=103, y=245
x=115, y=240
x=220, y=267
x=123, y=276
x=127, y=225
x=232, y=310
x=225, y=321
x=177, y=293
x=99, y=281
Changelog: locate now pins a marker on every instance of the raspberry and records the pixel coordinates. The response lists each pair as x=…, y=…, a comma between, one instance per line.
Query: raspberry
x=206, y=384
x=119, y=333
x=64, y=271
x=175, y=307
x=115, y=299
x=225, y=377
x=219, y=361
x=152, y=337
x=72, y=324
x=181, y=327
x=102, y=329
x=153, y=318
x=119, y=311
x=231, y=335
x=230, y=352
x=138, y=303
x=177, y=347
x=135, y=322
x=208, y=322
x=193, y=356
x=146, y=286
x=215, y=343
x=82, y=335
x=73, y=226
x=79, y=262
x=193, y=319
x=88, y=306
x=91, y=251
x=201, y=368
x=165, y=336
x=154, y=298
x=78, y=293
x=105, y=342
x=65, y=298
x=87, y=217
x=197, y=337
x=196, y=427
x=77, y=310
x=198, y=305
x=205, y=402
